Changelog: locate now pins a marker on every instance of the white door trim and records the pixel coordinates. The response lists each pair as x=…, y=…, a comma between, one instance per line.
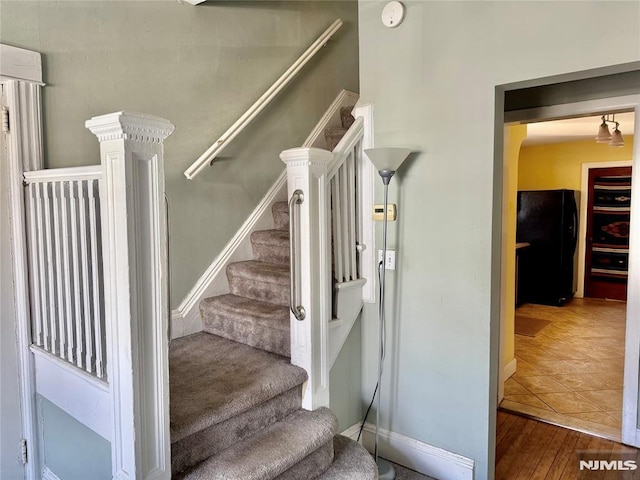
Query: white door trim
x=20, y=64
x=630, y=431
x=21, y=96
x=582, y=222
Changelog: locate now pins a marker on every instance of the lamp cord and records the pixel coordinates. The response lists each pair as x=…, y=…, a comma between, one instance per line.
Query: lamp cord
x=382, y=353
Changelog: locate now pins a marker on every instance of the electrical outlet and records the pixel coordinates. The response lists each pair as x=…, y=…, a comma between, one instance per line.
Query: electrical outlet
x=390, y=263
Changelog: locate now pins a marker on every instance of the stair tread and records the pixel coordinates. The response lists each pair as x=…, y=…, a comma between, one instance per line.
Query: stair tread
x=271, y=237
x=335, y=131
x=261, y=313
x=271, y=451
x=260, y=271
x=213, y=379
x=201, y=445
x=351, y=462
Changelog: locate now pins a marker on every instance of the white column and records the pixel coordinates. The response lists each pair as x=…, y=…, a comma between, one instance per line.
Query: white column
x=23, y=135
x=307, y=170
x=135, y=266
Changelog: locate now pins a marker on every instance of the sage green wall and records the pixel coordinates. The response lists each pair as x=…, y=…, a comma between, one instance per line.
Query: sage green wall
x=71, y=451
x=346, y=380
x=201, y=68
x=432, y=80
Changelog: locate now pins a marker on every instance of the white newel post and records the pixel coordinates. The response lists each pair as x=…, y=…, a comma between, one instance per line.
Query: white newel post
x=307, y=170
x=135, y=267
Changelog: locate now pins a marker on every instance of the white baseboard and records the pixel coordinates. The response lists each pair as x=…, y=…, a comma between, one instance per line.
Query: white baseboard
x=510, y=369
x=47, y=474
x=186, y=319
x=414, y=454
x=183, y=324
x=352, y=432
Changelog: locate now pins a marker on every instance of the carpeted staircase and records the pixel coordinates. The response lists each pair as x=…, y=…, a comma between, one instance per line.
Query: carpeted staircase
x=235, y=397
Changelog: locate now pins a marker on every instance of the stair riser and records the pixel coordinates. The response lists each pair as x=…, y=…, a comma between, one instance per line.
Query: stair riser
x=277, y=254
x=350, y=462
x=346, y=117
x=269, y=339
x=332, y=140
x=257, y=290
x=281, y=220
x=312, y=466
x=210, y=441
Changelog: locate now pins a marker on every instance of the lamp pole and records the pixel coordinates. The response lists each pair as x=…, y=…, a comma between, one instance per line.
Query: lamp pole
x=386, y=468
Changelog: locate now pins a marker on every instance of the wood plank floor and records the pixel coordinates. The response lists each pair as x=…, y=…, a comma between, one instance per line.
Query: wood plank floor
x=529, y=449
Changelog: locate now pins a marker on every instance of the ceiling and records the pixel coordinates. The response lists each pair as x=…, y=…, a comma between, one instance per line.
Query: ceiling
x=582, y=128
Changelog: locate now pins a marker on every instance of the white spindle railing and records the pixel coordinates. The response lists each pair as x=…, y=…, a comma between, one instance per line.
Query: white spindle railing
x=65, y=255
x=344, y=202
x=329, y=235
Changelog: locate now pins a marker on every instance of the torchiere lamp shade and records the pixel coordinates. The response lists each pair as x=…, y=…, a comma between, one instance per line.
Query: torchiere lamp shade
x=388, y=159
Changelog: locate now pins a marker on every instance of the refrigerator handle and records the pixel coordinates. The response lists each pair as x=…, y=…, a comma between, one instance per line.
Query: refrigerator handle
x=574, y=220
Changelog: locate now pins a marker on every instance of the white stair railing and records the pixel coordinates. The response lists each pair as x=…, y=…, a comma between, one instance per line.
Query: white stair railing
x=65, y=265
x=329, y=235
x=97, y=268
x=207, y=157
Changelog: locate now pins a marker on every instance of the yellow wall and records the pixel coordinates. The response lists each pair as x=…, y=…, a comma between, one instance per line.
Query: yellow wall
x=538, y=167
x=559, y=165
x=514, y=135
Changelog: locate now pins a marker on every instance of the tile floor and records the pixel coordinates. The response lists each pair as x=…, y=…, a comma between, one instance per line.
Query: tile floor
x=571, y=372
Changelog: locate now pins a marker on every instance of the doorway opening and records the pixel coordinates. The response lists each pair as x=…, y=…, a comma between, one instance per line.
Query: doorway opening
x=570, y=214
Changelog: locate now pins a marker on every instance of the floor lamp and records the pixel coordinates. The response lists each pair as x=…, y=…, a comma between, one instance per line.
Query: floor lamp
x=386, y=161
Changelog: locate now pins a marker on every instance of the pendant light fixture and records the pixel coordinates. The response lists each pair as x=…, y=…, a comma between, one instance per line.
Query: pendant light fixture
x=617, y=140
x=604, y=136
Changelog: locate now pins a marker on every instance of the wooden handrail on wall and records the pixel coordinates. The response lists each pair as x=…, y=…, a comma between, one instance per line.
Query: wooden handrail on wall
x=246, y=118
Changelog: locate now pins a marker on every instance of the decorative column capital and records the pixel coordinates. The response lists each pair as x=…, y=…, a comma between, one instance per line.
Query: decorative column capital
x=307, y=157
x=130, y=126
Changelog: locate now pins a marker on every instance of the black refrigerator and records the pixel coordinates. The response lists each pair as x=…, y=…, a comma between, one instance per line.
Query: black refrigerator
x=548, y=222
